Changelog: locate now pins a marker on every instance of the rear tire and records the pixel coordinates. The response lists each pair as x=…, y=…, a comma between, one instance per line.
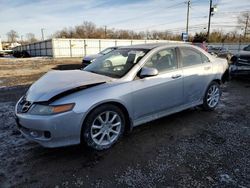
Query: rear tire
x=103, y=127
x=212, y=96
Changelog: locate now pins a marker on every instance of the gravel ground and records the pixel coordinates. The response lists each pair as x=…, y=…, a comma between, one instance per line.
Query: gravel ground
x=192, y=148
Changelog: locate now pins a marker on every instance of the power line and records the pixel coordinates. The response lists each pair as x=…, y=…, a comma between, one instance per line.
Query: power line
x=233, y=12
x=146, y=14
x=190, y=27
x=166, y=23
x=219, y=14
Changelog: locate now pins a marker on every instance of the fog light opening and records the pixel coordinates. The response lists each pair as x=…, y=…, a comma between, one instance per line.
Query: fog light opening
x=34, y=134
x=47, y=134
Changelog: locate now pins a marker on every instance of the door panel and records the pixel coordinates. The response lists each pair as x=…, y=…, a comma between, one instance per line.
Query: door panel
x=157, y=93
x=193, y=83
x=207, y=71
x=161, y=92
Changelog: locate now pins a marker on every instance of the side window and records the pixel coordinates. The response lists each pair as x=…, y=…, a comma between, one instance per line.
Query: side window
x=190, y=57
x=163, y=60
x=204, y=58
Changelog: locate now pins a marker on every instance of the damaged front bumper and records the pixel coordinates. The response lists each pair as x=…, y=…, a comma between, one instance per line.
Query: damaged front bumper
x=51, y=130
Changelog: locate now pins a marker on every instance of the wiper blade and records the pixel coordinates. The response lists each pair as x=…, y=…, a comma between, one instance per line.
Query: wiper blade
x=92, y=71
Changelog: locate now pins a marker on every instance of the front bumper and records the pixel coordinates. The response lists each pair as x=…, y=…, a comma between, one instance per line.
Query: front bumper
x=51, y=131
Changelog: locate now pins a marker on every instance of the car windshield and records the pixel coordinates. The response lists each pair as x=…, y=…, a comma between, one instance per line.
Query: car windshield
x=105, y=51
x=116, y=63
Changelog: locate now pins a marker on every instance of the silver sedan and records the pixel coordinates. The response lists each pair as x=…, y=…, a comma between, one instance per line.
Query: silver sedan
x=120, y=90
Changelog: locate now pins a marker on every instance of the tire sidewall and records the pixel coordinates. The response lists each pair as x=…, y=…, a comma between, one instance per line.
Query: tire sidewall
x=86, y=129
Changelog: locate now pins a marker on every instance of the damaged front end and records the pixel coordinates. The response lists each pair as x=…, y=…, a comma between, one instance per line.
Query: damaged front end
x=55, y=85
x=43, y=114
x=45, y=107
x=240, y=66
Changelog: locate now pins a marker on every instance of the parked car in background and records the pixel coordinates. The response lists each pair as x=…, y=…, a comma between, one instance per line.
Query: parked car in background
x=219, y=51
x=90, y=58
x=21, y=54
x=98, y=104
x=240, y=64
x=246, y=48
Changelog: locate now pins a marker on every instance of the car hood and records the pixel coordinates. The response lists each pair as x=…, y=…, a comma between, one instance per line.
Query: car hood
x=244, y=53
x=91, y=57
x=243, y=58
x=56, y=83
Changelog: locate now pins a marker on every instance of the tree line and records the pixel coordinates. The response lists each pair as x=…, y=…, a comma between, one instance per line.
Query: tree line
x=89, y=30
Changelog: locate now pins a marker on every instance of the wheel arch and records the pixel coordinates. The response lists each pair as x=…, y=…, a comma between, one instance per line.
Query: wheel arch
x=215, y=80
x=218, y=81
x=128, y=124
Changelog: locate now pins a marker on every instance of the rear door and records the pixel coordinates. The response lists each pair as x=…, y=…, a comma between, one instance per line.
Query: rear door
x=195, y=74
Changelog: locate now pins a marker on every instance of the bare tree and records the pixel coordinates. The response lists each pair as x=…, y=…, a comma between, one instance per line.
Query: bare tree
x=244, y=21
x=90, y=30
x=12, y=36
x=31, y=37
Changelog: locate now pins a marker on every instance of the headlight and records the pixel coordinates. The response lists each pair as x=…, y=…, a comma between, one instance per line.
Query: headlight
x=39, y=109
x=92, y=60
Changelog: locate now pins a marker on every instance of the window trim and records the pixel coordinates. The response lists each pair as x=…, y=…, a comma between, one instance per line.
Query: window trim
x=209, y=61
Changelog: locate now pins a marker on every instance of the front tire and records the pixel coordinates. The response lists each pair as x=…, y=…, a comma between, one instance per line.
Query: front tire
x=212, y=96
x=103, y=127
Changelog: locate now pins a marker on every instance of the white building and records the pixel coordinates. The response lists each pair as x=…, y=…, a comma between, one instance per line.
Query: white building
x=76, y=47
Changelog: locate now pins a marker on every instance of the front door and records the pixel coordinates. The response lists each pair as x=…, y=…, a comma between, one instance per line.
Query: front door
x=161, y=92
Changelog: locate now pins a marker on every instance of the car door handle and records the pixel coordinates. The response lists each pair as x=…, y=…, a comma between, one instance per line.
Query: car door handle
x=176, y=76
x=207, y=68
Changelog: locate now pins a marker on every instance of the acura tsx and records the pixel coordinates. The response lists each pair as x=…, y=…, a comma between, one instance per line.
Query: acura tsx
x=125, y=88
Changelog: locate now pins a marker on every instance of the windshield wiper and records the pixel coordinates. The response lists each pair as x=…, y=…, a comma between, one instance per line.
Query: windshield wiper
x=93, y=71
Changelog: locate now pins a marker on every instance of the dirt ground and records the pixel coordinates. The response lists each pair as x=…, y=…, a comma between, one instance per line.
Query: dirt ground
x=21, y=71
x=192, y=148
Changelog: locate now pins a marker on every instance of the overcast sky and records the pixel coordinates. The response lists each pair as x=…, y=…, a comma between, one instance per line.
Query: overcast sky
x=26, y=16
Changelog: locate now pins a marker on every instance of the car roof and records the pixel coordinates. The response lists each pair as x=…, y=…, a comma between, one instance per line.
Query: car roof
x=151, y=46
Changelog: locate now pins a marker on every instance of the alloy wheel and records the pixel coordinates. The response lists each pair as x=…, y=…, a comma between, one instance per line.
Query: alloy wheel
x=106, y=128
x=213, y=96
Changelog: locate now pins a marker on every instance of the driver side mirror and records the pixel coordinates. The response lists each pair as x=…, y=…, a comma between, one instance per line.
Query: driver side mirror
x=148, y=72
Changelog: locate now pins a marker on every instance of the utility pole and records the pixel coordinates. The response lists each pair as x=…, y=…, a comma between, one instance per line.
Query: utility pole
x=105, y=31
x=240, y=39
x=188, y=7
x=247, y=20
x=147, y=34
x=42, y=31
x=209, y=19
